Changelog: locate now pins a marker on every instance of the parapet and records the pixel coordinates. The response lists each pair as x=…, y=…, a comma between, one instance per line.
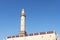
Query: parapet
x=41, y=33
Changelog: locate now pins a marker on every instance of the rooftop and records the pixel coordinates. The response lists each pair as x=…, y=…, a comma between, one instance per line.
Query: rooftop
x=41, y=33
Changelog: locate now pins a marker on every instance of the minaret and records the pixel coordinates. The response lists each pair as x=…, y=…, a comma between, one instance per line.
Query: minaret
x=23, y=24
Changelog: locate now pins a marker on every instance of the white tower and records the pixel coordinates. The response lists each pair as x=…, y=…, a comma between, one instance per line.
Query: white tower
x=23, y=24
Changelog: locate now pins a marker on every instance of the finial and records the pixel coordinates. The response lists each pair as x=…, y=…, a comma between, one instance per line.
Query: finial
x=23, y=12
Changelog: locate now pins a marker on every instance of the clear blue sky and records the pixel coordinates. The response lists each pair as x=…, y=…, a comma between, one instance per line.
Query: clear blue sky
x=41, y=16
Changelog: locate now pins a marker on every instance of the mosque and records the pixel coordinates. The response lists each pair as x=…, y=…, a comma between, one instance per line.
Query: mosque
x=50, y=35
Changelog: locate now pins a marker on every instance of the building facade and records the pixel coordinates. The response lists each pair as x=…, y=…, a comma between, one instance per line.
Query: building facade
x=50, y=35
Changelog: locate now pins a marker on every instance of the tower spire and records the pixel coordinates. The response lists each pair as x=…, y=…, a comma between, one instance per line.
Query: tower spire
x=23, y=13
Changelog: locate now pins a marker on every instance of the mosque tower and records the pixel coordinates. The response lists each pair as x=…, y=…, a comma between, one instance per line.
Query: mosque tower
x=23, y=24
x=50, y=35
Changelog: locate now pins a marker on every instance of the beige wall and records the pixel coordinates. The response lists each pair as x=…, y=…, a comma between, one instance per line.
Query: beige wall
x=36, y=37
